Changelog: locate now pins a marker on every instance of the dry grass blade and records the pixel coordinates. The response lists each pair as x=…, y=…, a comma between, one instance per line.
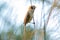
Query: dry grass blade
x=52, y=7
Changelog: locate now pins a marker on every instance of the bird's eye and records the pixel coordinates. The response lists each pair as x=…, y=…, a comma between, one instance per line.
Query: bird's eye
x=31, y=7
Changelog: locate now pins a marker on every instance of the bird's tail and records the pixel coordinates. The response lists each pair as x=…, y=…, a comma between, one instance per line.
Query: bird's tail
x=24, y=33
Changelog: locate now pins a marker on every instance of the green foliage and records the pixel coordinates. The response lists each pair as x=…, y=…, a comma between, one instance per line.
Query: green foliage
x=10, y=35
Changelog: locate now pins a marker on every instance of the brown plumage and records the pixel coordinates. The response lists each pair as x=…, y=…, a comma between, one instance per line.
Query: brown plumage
x=29, y=14
x=28, y=18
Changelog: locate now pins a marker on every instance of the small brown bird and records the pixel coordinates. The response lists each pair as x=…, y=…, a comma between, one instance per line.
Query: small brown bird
x=28, y=18
x=29, y=14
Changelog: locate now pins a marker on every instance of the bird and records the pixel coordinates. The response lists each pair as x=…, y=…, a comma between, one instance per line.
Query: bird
x=28, y=18
x=29, y=15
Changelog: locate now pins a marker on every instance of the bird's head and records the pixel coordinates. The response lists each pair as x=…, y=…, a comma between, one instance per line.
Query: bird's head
x=32, y=7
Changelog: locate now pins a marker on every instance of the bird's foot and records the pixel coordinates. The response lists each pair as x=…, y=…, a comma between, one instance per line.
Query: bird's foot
x=33, y=22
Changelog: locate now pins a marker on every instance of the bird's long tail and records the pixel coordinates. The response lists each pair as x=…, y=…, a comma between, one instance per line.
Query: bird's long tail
x=24, y=36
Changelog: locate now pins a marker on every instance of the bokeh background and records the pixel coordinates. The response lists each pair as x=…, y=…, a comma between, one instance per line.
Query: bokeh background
x=12, y=13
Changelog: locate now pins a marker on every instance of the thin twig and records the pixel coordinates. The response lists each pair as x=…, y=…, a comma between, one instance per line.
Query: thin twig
x=33, y=18
x=31, y=2
x=34, y=24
